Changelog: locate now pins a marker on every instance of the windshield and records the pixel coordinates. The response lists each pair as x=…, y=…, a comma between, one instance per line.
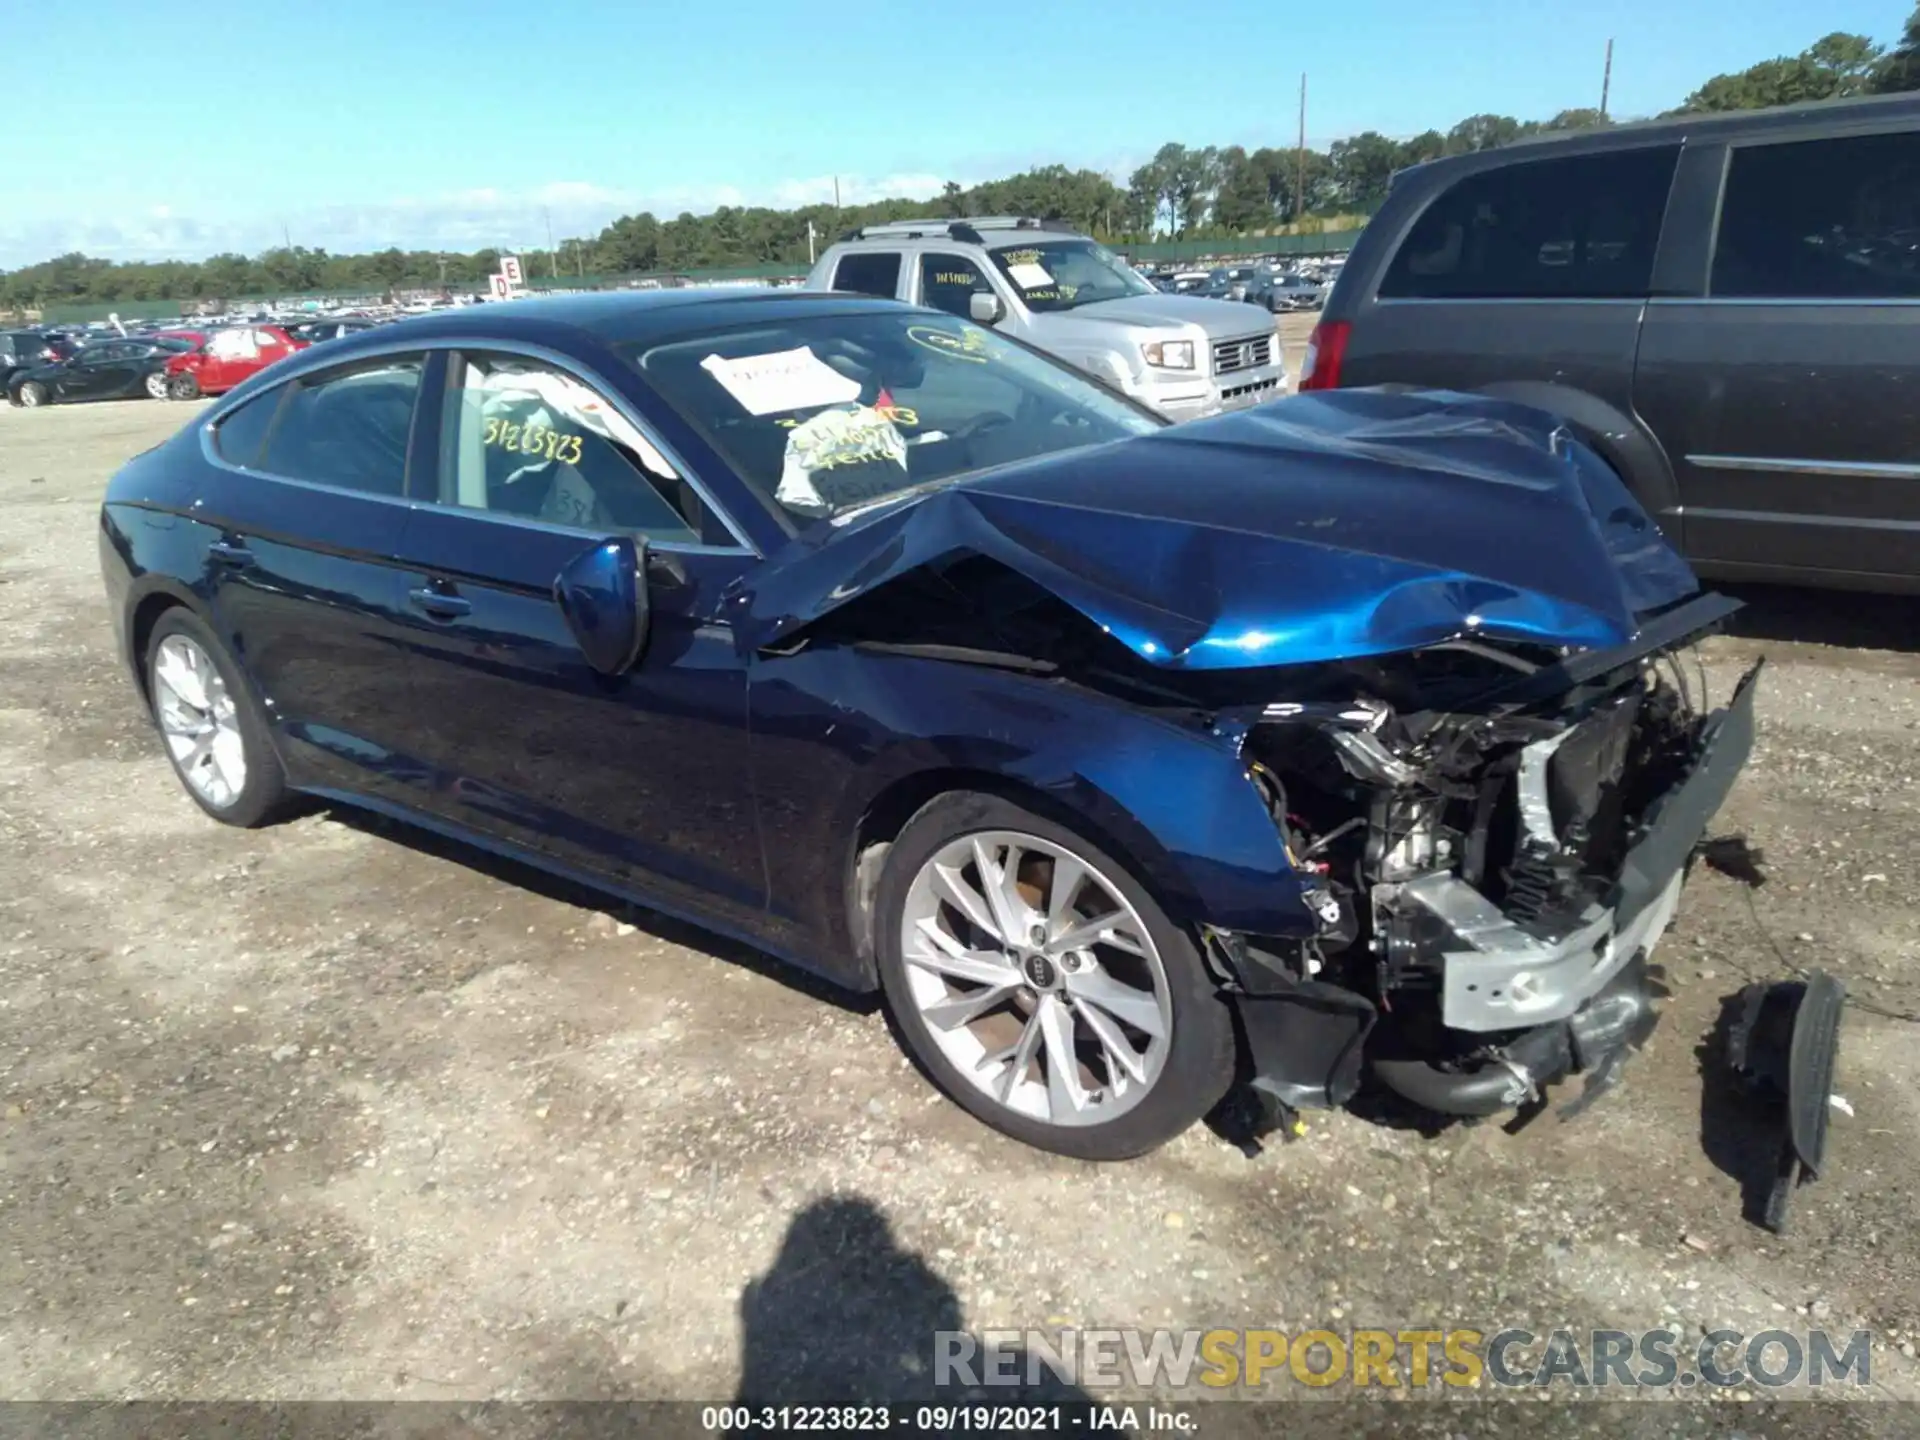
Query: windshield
x=825, y=413
x=1055, y=275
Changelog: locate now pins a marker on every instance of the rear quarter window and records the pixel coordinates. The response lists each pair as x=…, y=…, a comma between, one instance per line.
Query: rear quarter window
x=242, y=431
x=1570, y=227
x=869, y=272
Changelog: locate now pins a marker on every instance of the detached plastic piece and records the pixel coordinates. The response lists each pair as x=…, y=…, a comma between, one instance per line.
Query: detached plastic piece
x=1782, y=1045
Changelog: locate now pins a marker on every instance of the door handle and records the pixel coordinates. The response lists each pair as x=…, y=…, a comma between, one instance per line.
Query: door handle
x=231, y=553
x=438, y=603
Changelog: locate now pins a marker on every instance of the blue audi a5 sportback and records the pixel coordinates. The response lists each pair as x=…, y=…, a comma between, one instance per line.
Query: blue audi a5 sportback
x=1128, y=761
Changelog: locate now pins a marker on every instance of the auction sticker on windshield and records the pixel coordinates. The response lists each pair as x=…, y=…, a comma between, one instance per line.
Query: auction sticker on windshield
x=955, y=344
x=794, y=379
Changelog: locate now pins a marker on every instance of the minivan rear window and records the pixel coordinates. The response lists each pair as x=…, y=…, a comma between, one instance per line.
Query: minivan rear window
x=1570, y=227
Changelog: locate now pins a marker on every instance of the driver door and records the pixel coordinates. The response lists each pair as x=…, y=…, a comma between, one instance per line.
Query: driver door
x=93, y=372
x=227, y=360
x=642, y=779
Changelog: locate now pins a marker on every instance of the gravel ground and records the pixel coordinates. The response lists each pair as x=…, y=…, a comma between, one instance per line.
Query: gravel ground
x=336, y=1110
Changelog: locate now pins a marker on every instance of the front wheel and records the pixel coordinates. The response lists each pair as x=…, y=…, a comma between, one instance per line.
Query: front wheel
x=1042, y=987
x=183, y=387
x=33, y=394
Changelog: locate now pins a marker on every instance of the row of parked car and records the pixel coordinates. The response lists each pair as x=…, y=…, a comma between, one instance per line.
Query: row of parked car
x=1269, y=284
x=179, y=361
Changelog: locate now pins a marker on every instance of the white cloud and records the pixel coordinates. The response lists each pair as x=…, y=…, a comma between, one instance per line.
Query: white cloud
x=460, y=220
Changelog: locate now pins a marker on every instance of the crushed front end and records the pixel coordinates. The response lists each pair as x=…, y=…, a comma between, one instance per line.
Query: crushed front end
x=1495, y=839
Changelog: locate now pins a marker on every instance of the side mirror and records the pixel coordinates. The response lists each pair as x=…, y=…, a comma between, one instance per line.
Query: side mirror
x=602, y=592
x=985, y=308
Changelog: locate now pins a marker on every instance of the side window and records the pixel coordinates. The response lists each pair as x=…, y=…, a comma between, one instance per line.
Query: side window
x=239, y=436
x=869, y=272
x=1582, y=227
x=1821, y=219
x=232, y=345
x=349, y=427
x=948, y=282
x=525, y=439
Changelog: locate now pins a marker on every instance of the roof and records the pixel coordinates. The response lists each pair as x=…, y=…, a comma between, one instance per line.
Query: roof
x=1708, y=125
x=621, y=315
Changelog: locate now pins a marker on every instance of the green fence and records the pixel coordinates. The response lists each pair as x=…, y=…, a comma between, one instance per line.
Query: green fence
x=1330, y=243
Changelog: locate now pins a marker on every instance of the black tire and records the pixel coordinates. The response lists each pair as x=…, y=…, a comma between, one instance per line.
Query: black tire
x=1200, y=1061
x=33, y=394
x=264, y=796
x=183, y=387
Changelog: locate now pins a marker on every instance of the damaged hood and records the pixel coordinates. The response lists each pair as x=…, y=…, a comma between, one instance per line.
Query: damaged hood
x=1320, y=527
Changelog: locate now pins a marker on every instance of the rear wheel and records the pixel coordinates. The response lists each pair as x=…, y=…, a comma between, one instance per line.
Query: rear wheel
x=214, y=732
x=33, y=394
x=1042, y=987
x=157, y=385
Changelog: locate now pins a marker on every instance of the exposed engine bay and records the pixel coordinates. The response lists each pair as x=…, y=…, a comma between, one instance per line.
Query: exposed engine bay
x=1490, y=874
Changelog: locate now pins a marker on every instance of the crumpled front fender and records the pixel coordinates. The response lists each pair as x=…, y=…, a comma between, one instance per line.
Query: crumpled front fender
x=1171, y=798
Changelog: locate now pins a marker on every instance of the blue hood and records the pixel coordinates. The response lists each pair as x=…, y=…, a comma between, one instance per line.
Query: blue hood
x=1319, y=527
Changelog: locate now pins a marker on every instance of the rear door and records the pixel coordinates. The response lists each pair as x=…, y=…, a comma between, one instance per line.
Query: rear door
x=1527, y=279
x=310, y=509
x=1788, y=394
x=643, y=778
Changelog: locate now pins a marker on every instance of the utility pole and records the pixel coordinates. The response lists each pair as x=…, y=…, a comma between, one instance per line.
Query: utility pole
x=809, y=242
x=553, y=256
x=1300, y=172
x=1606, y=81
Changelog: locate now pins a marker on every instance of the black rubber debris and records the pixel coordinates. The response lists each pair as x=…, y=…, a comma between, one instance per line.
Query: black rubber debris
x=1782, y=1043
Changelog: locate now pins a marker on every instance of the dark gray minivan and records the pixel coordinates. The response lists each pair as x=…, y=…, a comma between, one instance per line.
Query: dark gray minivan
x=1727, y=307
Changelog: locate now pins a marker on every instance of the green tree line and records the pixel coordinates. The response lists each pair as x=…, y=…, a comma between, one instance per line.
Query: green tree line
x=1186, y=191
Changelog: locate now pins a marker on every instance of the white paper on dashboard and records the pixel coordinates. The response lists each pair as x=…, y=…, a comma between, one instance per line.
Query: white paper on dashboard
x=784, y=380
x=1029, y=276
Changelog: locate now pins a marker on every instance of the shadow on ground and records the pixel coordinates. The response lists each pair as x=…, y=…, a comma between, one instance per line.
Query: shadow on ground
x=1845, y=618
x=846, y=1316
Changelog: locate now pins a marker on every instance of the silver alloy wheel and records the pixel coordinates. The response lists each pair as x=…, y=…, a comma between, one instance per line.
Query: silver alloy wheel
x=1037, y=979
x=198, y=721
x=157, y=385
x=32, y=393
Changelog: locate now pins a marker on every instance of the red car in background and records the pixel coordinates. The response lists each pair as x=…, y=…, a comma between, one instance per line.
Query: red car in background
x=227, y=357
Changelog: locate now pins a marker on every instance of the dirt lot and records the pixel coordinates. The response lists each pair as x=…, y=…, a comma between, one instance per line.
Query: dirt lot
x=333, y=1110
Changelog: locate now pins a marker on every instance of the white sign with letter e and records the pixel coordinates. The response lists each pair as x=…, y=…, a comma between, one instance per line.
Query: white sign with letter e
x=510, y=267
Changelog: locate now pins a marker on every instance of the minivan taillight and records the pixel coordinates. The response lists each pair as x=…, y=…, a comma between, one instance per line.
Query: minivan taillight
x=1326, y=349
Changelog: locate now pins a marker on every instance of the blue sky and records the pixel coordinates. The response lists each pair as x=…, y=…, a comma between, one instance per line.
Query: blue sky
x=165, y=129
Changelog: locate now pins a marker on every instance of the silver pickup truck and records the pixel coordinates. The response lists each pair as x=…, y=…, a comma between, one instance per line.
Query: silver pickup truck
x=1061, y=292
